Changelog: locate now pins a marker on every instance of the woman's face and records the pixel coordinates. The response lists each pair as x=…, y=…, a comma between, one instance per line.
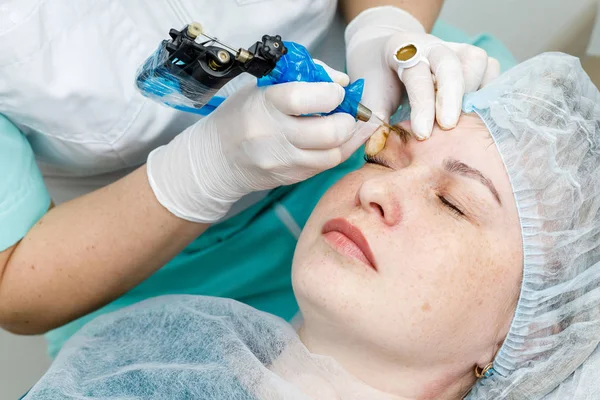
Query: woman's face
x=417, y=254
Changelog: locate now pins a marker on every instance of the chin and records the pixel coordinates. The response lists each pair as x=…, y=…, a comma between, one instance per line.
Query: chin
x=314, y=281
x=324, y=281
x=325, y=291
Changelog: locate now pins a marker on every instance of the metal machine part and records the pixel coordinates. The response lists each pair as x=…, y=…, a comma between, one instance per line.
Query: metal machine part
x=212, y=63
x=364, y=114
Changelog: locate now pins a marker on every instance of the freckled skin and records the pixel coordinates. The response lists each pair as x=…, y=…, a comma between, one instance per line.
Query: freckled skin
x=444, y=294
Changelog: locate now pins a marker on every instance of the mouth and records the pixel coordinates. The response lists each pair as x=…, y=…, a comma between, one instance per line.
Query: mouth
x=348, y=240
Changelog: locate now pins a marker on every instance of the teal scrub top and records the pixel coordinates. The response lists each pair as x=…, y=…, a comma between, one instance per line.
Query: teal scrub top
x=23, y=195
x=248, y=257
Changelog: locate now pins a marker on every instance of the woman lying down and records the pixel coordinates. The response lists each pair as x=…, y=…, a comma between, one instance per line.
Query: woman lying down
x=467, y=265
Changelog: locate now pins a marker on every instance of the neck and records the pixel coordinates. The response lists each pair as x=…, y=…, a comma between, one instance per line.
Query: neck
x=379, y=370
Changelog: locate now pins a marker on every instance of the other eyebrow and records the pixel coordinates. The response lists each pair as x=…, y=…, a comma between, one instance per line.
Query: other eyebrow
x=457, y=167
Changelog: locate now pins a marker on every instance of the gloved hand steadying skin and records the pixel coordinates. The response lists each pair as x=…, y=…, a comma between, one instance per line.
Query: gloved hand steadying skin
x=256, y=140
x=371, y=41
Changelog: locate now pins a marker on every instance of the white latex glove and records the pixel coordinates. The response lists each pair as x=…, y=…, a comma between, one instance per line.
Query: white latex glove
x=256, y=140
x=372, y=39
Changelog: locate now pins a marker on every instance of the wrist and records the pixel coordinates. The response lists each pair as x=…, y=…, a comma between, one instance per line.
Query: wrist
x=378, y=22
x=188, y=177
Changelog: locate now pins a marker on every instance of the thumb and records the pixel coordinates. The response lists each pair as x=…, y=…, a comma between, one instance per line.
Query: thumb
x=298, y=98
x=337, y=76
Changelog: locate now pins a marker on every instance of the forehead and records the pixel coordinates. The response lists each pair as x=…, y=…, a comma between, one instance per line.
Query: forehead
x=469, y=138
x=470, y=142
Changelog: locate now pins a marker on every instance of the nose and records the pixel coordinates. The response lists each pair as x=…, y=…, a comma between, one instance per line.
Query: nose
x=377, y=196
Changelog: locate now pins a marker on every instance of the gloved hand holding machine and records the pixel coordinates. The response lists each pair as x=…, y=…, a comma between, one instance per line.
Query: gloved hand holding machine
x=186, y=75
x=302, y=123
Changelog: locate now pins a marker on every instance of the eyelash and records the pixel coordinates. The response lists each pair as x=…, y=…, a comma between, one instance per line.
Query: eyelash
x=376, y=160
x=451, y=206
x=379, y=161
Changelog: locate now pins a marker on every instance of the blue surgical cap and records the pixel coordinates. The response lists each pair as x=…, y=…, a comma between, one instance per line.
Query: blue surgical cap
x=544, y=116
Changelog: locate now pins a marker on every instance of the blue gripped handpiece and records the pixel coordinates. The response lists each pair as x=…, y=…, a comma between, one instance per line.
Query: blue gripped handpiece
x=165, y=76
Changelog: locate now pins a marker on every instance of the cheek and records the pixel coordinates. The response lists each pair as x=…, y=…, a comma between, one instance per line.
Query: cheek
x=338, y=199
x=475, y=289
x=441, y=275
x=345, y=189
x=315, y=267
x=469, y=272
x=328, y=286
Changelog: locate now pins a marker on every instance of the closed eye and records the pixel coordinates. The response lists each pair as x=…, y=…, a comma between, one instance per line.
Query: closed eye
x=376, y=160
x=451, y=206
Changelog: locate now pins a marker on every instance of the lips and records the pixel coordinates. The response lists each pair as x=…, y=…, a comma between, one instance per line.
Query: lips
x=348, y=240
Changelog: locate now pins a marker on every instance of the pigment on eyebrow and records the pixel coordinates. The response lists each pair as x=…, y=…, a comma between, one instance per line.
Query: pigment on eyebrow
x=454, y=166
x=404, y=134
